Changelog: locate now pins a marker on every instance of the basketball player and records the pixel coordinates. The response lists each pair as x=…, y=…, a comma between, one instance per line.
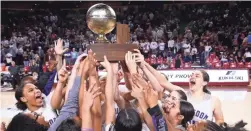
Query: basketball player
x=207, y=107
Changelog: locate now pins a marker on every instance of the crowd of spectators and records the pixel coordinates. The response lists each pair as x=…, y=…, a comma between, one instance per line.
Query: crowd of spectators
x=168, y=36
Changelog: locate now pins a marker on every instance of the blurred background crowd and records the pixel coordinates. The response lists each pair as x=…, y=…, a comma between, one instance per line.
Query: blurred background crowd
x=171, y=36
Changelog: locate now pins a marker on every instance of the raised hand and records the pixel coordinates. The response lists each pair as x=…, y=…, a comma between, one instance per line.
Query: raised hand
x=90, y=95
x=63, y=73
x=106, y=64
x=59, y=49
x=130, y=62
x=137, y=92
x=152, y=96
x=139, y=81
x=77, y=62
x=139, y=58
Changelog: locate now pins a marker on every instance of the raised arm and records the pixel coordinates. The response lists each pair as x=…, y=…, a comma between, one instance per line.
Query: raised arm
x=117, y=97
x=93, y=80
x=154, y=110
x=138, y=92
x=160, y=78
x=70, y=107
x=84, y=77
x=74, y=72
x=218, y=114
x=127, y=75
x=109, y=93
x=59, y=50
x=149, y=75
x=88, y=99
x=58, y=96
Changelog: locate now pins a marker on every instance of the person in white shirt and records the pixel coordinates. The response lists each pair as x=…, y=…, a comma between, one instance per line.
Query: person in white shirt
x=208, y=48
x=154, y=47
x=161, y=47
x=187, y=48
x=31, y=100
x=247, y=55
x=194, y=53
x=171, y=44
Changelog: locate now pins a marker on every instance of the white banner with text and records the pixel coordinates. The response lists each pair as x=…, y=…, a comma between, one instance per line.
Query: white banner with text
x=216, y=76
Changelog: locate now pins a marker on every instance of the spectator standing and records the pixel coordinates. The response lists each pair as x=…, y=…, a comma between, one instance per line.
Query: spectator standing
x=239, y=57
x=247, y=55
x=74, y=55
x=154, y=47
x=208, y=48
x=224, y=57
x=249, y=38
x=160, y=33
x=201, y=53
x=178, y=61
x=146, y=48
x=194, y=53
x=14, y=69
x=66, y=43
x=171, y=44
x=80, y=51
x=231, y=58
x=26, y=59
x=187, y=48
x=154, y=34
x=161, y=47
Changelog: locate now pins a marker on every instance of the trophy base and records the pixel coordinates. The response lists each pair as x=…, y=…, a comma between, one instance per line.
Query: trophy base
x=113, y=52
x=101, y=39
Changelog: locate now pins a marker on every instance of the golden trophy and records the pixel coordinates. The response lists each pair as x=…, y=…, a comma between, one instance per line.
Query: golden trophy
x=101, y=19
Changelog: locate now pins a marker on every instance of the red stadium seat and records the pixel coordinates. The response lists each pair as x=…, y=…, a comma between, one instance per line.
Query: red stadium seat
x=225, y=65
x=241, y=65
x=212, y=55
x=233, y=65
x=160, y=61
x=217, y=65
x=248, y=65
x=187, y=66
x=172, y=66
x=164, y=60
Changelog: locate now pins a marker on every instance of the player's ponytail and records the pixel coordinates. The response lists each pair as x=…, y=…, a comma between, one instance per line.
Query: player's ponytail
x=205, y=78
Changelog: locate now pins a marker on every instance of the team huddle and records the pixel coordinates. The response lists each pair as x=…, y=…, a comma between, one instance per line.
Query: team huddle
x=81, y=100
